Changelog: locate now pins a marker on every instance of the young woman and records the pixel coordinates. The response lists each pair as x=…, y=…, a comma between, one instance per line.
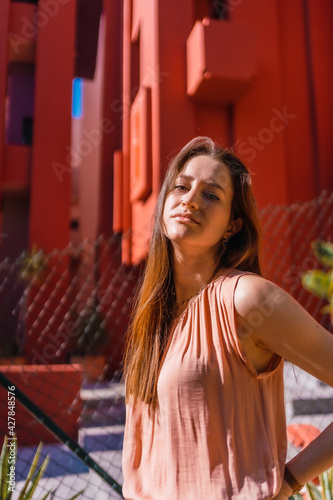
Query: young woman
x=204, y=359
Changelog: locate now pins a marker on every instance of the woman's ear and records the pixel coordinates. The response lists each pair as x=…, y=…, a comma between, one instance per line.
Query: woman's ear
x=235, y=226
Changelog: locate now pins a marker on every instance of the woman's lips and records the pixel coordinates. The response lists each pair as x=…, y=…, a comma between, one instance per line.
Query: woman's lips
x=185, y=217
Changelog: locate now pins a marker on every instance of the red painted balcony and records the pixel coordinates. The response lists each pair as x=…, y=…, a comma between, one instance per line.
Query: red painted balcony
x=220, y=61
x=141, y=146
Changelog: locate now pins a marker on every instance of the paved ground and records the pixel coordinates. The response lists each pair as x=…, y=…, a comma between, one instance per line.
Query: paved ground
x=102, y=427
x=101, y=435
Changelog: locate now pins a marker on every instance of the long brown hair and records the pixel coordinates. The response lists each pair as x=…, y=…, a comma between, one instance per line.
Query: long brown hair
x=148, y=332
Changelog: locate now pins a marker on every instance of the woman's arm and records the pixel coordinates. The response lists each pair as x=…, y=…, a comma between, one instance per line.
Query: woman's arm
x=315, y=458
x=278, y=324
x=310, y=462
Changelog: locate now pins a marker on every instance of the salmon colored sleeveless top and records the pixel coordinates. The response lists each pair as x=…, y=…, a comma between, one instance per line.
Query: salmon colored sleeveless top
x=220, y=430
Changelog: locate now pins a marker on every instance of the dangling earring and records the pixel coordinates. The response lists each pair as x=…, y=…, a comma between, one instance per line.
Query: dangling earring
x=224, y=244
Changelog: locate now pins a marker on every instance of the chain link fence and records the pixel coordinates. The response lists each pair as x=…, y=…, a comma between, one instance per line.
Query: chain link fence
x=63, y=318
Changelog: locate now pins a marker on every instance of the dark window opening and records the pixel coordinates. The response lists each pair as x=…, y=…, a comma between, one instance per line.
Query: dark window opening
x=27, y=127
x=220, y=10
x=215, y=9
x=74, y=224
x=35, y=2
x=20, y=103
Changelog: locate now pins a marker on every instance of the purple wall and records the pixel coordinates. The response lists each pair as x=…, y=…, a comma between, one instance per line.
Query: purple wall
x=20, y=100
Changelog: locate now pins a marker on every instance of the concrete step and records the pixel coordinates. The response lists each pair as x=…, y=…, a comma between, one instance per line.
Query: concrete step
x=103, y=405
x=94, y=439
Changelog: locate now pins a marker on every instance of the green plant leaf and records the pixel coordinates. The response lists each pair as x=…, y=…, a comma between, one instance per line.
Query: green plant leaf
x=327, y=484
x=77, y=495
x=328, y=309
x=33, y=476
x=36, y=479
x=323, y=251
x=31, y=472
x=45, y=496
x=3, y=469
x=2, y=464
x=316, y=282
x=32, y=265
x=312, y=492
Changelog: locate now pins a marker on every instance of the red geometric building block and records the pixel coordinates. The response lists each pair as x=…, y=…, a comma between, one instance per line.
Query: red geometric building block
x=220, y=61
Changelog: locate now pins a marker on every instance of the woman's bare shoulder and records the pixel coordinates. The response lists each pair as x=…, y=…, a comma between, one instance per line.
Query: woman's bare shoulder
x=280, y=324
x=253, y=292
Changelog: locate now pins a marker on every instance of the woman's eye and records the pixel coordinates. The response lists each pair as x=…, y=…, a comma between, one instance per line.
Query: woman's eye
x=180, y=187
x=211, y=196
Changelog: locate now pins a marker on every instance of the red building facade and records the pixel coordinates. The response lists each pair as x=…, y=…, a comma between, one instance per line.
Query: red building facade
x=252, y=74
x=255, y=75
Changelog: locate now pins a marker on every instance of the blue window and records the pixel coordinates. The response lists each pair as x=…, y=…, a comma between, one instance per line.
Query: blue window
x=77, y=98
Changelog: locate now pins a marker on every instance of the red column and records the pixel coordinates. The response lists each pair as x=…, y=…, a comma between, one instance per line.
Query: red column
x=112, y=91
x=127, y=223
x=4, y=21
x=319, y=18
x=50, y=185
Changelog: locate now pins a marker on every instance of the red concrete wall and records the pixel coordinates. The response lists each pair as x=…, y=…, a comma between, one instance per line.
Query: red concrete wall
x=55, y=389
x=112, y=18
x=280, y=124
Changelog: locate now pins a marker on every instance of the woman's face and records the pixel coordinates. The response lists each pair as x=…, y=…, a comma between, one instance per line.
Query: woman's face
x=197, y=210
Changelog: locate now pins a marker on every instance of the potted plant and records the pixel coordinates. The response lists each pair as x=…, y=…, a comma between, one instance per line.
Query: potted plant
x=9, y=353
x=31, y=269
x=319, y=282
x=30, y=266
x=91, y=341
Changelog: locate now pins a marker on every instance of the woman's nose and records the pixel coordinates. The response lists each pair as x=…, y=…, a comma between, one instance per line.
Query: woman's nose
x=190, y=199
